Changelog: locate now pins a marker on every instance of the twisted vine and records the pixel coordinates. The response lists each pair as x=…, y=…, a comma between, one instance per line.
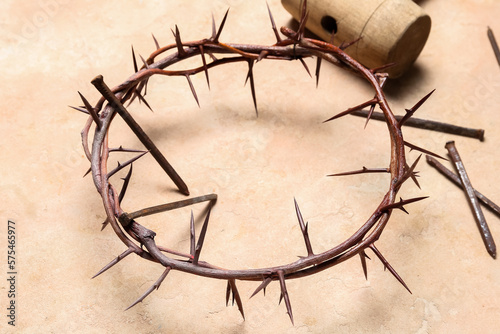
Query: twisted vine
x=293, y=46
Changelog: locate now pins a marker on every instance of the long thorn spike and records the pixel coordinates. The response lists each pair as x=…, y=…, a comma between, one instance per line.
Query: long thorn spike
x=216, y=38
x=121, y=166
x=363, y=257
x=192, y=248
x=252, y=84
x=318, y=68
x=303, y=228
x=236, y=296
x=201, y=238
x=363, y=171
x=156, y=42
x=305, y=66
x=350, y=110
x=155, y=286
x=401, y=203
x=91, y=111
x=411, y=111
x=415, y=147
x=178, y=42
x=136, y=68
x=205, y=68
x=388, y=266
x=262, y=286
x=115, y=261
x=192, y=89
x=126, y=181
x=273, y=24
x=284, y=294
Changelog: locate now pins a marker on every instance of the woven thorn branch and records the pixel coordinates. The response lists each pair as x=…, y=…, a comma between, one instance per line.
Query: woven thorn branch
x=139, y=240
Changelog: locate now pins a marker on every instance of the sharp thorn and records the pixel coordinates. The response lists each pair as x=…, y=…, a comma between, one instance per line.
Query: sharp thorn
x=303, y=228
x=156, y=42
x=262, y=286
x=231, y=287
x=252, y=84
x=363, y=257
x=121, y=166
x=273, y=24
x=415, y=147
x=412, y=110
x=318, y=68
x=192, y=248
x=136, y=68
x=192, y=89
x=155, y=286
x=363, y=171
x=388, y=266
x=350, y=110
x=178, y=42
x=201, y=238
x=88, y=172
x=91, y=111
x=399, y=205
x=114, y=261
x=216, y=38
x=80, y=110
x=284, y=294
x=144, y=62
x=205, y=68
x=126, y=181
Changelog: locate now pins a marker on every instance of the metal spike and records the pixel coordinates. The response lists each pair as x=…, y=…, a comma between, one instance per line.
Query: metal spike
x=284, y=294
x=275, y=30
x=303, y=227
x=350, y=110
x=155, y=286
x=388, y=266
x=120, y=166
x=126, y=181
x=192, y=89
x=115, y=261
x=201, y=238
x=262, y=286
x=411, y=111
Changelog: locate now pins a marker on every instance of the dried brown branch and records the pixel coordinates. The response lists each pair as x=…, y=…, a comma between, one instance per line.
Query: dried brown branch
x=293, y=45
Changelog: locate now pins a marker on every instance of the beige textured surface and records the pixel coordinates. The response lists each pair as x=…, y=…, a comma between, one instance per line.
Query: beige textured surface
x=52, y=49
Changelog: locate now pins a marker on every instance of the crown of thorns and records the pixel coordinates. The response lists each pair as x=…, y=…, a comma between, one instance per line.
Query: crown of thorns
x=140, y=240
